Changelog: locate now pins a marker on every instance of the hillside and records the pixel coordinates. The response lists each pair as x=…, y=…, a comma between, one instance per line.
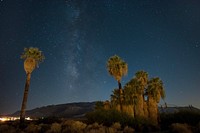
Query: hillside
x=74, y=110
x=69, y=110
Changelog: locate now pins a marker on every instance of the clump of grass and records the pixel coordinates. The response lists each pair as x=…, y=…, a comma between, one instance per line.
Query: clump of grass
x=128, y=130
x=32, y=128
x=116, y=126
x=180, y=128
x=6, y=129
x=55, y=128
x=73, y=126
x=95, y=128
x=191, y=118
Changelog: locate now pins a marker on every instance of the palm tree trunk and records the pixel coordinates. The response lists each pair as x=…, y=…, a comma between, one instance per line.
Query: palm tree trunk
x=120, y=96
x=24, y=102
x=146, y=115
x=134, y=106
x=139, y=106
x=128, y=109
x=153, y=110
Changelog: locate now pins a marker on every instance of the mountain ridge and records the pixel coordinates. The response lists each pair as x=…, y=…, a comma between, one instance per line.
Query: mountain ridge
x=68, y=110
x=79, y=109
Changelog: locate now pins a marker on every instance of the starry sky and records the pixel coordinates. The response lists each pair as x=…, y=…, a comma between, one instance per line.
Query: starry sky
x=77, y=37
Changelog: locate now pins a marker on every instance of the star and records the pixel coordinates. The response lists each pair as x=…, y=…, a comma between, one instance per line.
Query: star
x=78, y=37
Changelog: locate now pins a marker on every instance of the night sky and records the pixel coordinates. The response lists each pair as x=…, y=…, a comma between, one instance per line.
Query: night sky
x=77, y=37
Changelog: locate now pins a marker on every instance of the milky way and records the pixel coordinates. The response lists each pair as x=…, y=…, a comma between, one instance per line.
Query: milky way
x=78, y=36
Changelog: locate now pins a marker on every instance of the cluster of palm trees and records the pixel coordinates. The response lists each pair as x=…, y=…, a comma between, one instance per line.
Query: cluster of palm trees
x=128, y=99
x=140, y=96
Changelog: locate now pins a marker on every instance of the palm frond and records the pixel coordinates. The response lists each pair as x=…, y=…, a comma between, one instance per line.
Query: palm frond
x=34, y=53
x=117, y=67
x=155, y=89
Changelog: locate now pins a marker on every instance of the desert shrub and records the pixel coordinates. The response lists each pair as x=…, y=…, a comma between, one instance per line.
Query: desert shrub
x=197, y=129
x=73, y=126
x=111, y=130
x=44, y=127
x=189, y=117
x=55, y=128
x=180, y=128
x=79, y=126
x=128, y=130
x=116, y=126
x=66, y=126
x=32, y=128
x=108, y=117
x=95, y=128
x=99, y=105
x=7, y=129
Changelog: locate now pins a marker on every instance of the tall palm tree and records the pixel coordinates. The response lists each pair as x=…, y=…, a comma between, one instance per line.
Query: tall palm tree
x=131, y=95
x=155, y=91
x=32, y=57
x=117, y=68
x=115, y=99
x=141, y=81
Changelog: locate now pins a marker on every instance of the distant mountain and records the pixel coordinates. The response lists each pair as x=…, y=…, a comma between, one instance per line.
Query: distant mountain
x=69, y=110
x=177, y=109
x=77, y=110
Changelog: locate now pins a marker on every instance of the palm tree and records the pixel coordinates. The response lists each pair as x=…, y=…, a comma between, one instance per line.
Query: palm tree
x=141, y=81
x=32, y=57
x=131, y=95
x=117, y=68
x=155, y=91
x=106, y=105
x=115, y=99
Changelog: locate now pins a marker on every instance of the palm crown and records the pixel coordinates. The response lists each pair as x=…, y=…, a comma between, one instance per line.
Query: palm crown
x=131, y=91
x=117, y=67
x=156, y=89
x=142, y=77
x=34, y=53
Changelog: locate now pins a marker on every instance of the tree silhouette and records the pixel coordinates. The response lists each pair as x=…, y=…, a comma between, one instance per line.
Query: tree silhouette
x=117, y=68
x=155, y=91
x=141, y=81
x=32, y=57
x=131, y=95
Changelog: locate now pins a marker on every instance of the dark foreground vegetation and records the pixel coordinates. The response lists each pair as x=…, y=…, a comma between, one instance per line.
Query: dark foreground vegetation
x=108, y=121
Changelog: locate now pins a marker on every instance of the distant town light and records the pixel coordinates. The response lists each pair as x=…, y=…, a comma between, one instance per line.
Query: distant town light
x=6, y=118
x=3, y=119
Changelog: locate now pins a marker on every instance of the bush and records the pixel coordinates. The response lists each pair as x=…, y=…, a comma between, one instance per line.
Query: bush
x=116, y=126
x=55, y=128
x=180, y=128
x=7, y=129
x=95, y=128
x=190, y=117
x=32, y=128
x=44, y=127
x=111, y=130
x=73, y=126
x=108, y=117
x=128, y=130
